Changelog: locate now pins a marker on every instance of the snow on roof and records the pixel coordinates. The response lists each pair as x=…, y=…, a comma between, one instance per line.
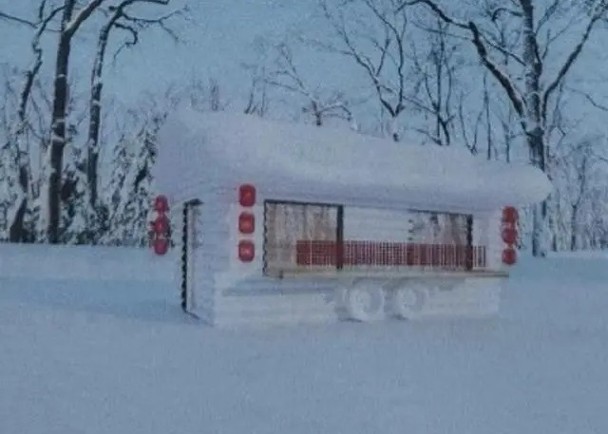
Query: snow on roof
x=292, y=160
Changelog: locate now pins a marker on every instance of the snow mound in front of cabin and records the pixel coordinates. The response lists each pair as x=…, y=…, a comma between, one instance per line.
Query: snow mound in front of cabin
x=77, y=263
x=330, y=163
x=109, y=356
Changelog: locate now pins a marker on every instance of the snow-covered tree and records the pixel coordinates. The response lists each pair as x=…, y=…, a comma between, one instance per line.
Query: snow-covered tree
x=125, y=17
x=131, y=190
x=8, y=188
x=530, y=85
x=74, y=15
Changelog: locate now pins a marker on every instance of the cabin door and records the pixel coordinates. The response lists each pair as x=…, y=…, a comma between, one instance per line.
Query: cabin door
x=191, y=267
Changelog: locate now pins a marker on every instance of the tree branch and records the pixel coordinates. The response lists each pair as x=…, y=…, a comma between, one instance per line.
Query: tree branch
x=570, y=60
x=435, y=8
x=500, y=10
x=127, y=44
x=502, y=78
x=482, y=51
x=72, y=27
x=549, y=12
x=16, y=19
x=590, y=99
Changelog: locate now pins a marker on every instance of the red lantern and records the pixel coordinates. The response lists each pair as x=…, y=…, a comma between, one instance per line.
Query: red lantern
x=246, y=223
x=161, y=246
x=510, y=214
x=247, y=195
x=161, y=204
x=509, y=256
x=246, y=251
x=161, y=224
x=509, y=235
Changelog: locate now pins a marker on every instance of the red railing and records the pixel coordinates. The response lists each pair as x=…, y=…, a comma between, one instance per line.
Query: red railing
x=372, y=253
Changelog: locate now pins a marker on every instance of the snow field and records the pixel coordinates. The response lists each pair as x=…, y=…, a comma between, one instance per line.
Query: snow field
x=91, y=355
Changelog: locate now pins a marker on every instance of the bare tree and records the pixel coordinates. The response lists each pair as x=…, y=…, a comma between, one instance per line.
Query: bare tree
x=45, y=15
x=531, y=103
x=71, y=21
x=257, y=98
x=436, y=74
x=576, y=165
x=285, y=75
x=120, y=18
x=582, y=181
x=375, y=38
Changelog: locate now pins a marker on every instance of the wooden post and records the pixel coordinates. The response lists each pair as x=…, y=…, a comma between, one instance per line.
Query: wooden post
x=340, y=238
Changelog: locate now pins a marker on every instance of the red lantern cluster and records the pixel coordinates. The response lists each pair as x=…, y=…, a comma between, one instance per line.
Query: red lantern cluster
x=160, y=233
x=510, y=217
x=246, y=223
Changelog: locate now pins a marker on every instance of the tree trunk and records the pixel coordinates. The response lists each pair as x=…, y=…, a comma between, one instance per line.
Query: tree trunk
x=58, y=127
x=537, y=156
x=314, y=107
x=573, y=220
x=17, y=231
x=95, y=113
x=533, y=122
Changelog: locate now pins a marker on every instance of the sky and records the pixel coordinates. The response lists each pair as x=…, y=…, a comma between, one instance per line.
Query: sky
x=219, y=36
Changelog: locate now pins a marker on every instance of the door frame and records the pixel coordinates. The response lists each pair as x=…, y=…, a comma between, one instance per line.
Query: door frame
x=186, y=263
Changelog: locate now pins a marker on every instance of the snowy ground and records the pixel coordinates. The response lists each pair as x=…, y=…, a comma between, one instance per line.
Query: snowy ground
x=116, y=355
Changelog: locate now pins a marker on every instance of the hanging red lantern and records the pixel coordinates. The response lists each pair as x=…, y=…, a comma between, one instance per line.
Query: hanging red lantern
x=161, y=246
x=161, y=224
x=509, y=235
x=246, y=251
x=509, y=256
x=247, y=195
x=510, y=214
x=161, y=204
x=246, y=223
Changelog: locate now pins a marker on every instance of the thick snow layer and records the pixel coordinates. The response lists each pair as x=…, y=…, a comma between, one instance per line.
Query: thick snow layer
x=86, y=355
x=334, y=164
x=580, y=254
x=67, y=263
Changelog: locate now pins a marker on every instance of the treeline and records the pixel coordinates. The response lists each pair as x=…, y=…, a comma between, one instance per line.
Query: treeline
x=507, y=80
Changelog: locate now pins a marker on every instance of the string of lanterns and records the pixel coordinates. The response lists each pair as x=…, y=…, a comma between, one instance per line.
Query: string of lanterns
x=510, y=217
x=246, y=222
x=161, y=226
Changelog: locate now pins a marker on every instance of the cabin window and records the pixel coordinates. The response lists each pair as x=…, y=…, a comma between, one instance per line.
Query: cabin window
x=290, y=223
x=317, y=238
x=438, y=228
x=395, y=240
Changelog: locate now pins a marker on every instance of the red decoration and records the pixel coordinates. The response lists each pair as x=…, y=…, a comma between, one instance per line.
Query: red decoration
x=510, y=214
x=509, y=235
x=161, y=224
x=161, y=246
x=246, y=223
x=247, y=195
x=509, y=256
x=161, y=204
x=246, y=251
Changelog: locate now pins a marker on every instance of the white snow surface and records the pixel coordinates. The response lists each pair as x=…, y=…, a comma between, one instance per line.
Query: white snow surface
x=333, y=164
x=79, y=354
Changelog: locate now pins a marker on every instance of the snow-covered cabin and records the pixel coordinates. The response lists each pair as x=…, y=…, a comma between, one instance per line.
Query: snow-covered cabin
x=283, y=223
